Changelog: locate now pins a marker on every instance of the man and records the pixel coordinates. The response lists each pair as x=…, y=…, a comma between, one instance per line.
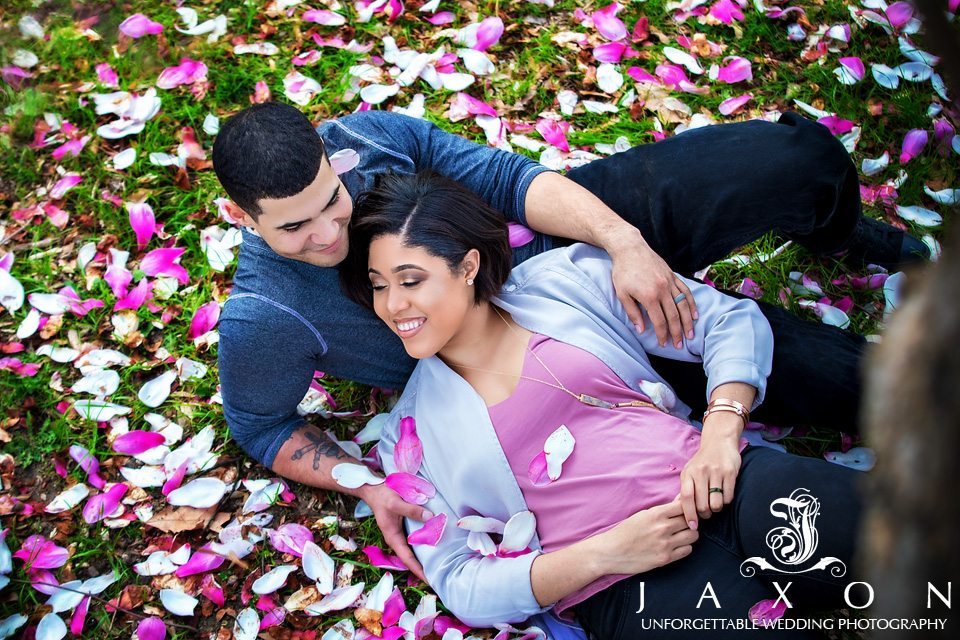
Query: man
x=692, y=198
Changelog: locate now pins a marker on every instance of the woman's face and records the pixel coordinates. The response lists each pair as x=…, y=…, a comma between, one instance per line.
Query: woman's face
x=417, y=295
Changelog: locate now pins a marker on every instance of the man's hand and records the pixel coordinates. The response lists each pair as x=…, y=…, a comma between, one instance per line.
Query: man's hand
x=641, y=276
x=389, y=509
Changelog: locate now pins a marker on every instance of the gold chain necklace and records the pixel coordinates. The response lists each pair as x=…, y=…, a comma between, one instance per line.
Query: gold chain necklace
x=582, y=398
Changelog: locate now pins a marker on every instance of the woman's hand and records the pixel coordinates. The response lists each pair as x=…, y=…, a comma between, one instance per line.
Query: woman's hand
x=714, y=466
x=646, y=540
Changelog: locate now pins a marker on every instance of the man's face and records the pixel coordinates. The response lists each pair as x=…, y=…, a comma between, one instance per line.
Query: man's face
x=311, y=226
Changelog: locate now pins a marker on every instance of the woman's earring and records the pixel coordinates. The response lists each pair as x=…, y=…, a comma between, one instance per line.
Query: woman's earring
x=469, y=282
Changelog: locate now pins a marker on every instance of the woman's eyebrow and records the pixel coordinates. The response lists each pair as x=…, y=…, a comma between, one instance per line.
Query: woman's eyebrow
x=398, y=269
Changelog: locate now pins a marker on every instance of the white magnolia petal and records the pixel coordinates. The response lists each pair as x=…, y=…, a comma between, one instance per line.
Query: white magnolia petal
x=873, y=166
x=11, y=292
x=172, y=431
x=338, y=599
x=85, y=255
x=944, y=196
x=66, y=598
x=124, y=159
x=166, y=160
x=100, y=383
x=157, y=563
x=377, y=93
x=200, y=493
x=68, y=498
x=481, y=524
x=911, y=52
x=96, y=584
x=273, y=579
x=318, y=566
x=155, y=392
x=211, y=124
x=885, y=76
x=343, y=630
x=30, y=324
x=154, y=456
x=892, y=290
x=678, y=56
x=195, y=452
x=258, y=48
x=567, y=100
x=9, y=625
x=518, y=532
x=558, y=447
x=914, y=71
x=374, y=427
x=455, y=81
x=594, y=106
x=52, y=304
x=247, y=625
x=177, y=602
x=102, y=358
x=144, y=477
x=377, y=597
x=188, y=369
x=354, y=476
x=51, y=627
x=347, y=545
x=859, y=458
x=482, y=543
x=920, y=215
x=99, y=410
x=608, y=78
x=476, y=62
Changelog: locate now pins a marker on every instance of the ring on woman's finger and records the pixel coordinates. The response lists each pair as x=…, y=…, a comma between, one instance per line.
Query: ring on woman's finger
x=679, y=298
x=715, y=490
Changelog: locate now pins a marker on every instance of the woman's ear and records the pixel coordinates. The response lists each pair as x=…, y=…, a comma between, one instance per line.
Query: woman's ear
x=470, y=265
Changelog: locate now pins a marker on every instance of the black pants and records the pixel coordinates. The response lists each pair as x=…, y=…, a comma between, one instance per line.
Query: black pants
x=743, y=530
x=699, y=195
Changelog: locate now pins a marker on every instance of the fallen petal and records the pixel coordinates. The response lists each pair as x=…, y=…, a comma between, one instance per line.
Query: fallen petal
x=177, y=602
x=136, y=442
x=273, y=579
x=859, y=458
x=353, y=476
x=411, y=488
x=431, y=531
x=68, y=499
x=318, y=566
x=518, y=532
x=201, y=493
x=338, y=599
x=920, y=215
x=151, y=628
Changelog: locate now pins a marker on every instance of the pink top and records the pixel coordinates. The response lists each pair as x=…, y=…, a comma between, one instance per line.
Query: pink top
x=624, y=460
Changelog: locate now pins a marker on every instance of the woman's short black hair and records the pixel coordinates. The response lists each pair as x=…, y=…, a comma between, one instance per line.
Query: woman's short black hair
x=432, y=212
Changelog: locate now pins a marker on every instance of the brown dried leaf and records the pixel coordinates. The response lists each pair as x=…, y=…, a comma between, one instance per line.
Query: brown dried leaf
x=132, y=596
x=370, y=619
x=176, y=519
x=300, y=600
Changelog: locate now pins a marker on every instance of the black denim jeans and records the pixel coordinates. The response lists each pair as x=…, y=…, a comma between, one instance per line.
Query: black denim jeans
x=699, y=195
x=740, y=531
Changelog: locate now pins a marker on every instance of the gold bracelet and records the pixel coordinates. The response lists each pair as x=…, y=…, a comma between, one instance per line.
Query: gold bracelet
x=724, y=404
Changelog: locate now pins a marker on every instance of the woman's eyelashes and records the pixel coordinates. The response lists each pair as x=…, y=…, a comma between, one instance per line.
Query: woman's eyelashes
x=409, y=284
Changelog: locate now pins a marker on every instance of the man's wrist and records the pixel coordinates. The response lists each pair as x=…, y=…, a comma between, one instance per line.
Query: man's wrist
x=620, y=237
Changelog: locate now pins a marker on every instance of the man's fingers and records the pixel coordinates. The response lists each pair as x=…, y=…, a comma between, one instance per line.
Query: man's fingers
x=398, y=543
x=674, y=326
x=685, y=308
x=691, y=303
x=660, y=327
x=634, y=313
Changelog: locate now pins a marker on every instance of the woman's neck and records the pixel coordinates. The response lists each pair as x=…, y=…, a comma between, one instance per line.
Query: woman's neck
x=484, y=333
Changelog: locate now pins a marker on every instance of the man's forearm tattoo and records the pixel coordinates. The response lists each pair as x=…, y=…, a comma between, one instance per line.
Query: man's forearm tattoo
x=320, y=445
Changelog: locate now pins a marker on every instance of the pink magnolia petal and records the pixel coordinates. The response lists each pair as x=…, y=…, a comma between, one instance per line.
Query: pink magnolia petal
x=519, y=235
x=750, y=289
x=323, y=16
x=79, y=617
x=175, y=480
x=855, y=65
x=641, y=75
x=139, y=25
x=726, y=11
x=39, y=553
x=136, y=442
x=202, y=561
x=273, y=617
x=135, y=298
x=844, y=304
x=488, y=33
x=732, y=105
x=204, y=319
x=212, y=591
x=151, y=628
x=117, y=275
x=735, y=70
x=609, y=52
x=537, y=471
x=103, y=504
x=165, y=262
x=64, y=184
x=408, y=453
x=106, y=75
x=464, y=104
x=411, y=488
x=187, y=72
x=382, y=560
x=672, y=75
x=290, y=538
x=88, y=463
x=913, y=144
x=440, y=18
x=838, y=126
x=766, y=612
x=431, y=531
x=43, y=581
x=608, y=24
x=554, y=133
x=899, y=14
x=143, y=222
x=344, y=160
x=393, y=608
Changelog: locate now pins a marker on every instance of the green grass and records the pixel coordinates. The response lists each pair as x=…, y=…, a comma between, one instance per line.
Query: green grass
x=531, y=68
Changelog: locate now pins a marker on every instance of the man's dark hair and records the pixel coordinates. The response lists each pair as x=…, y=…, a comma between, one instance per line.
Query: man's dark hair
x=434, y=213
x=269, y=150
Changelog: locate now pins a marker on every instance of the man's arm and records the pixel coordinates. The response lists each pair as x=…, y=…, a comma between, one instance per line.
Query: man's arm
x=557, y=206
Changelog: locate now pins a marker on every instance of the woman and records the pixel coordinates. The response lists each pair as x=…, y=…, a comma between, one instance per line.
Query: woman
x=537, y=407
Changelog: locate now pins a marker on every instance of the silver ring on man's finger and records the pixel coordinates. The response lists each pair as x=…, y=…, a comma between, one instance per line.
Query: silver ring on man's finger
x=679, y=298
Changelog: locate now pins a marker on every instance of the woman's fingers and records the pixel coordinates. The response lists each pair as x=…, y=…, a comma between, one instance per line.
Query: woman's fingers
x=688, y=500
x=715, y=497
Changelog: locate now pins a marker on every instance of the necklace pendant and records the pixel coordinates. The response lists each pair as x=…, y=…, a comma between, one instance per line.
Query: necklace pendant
x=595, y=402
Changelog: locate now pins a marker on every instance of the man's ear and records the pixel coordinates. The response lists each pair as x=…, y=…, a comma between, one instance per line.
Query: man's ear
x=238, y=215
